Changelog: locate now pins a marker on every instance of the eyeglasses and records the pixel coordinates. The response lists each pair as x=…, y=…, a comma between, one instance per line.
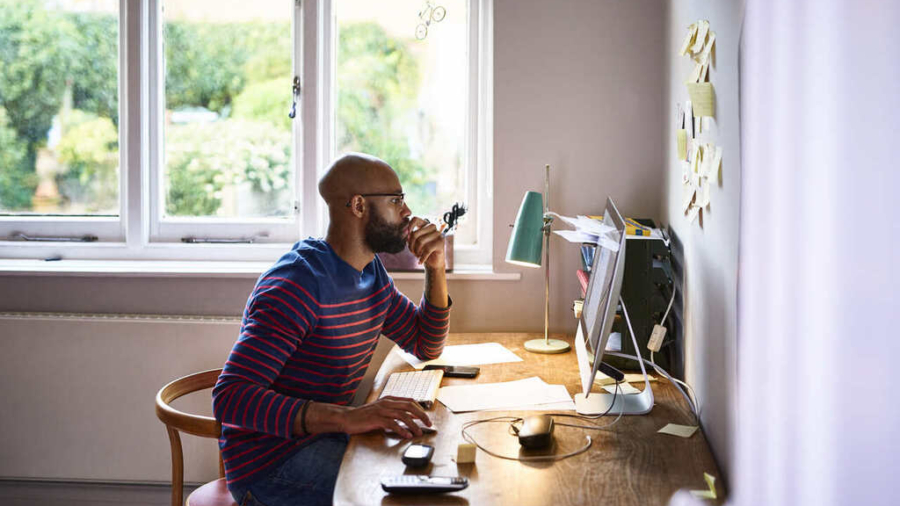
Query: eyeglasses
x=398, y=200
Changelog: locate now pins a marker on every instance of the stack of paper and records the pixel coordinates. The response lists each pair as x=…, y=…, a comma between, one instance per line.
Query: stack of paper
x=587, y=230
x=466, y=354
x=526, y=394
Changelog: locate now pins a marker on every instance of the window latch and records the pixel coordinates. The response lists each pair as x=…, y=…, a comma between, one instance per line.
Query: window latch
x=40, y=238
x=295, y=89
x=209, y=240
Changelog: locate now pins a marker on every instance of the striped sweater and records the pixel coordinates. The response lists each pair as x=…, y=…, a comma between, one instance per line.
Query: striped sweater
x=308, y=332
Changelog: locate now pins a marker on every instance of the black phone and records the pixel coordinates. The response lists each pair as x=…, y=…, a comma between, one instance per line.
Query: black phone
x=417, y=455
x=455, y=371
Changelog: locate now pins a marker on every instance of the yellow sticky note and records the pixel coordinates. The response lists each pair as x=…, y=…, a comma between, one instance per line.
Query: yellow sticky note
x=624, y=389
x=688, y=197
x=707, y=494
x=637, y=378
x=702, y=98
x=703, y=194
x=694, y=77
x=700, y=39
x=681, y=136
x=602, y=379
x=673, y=429
x=693, y=213
x=688, y=39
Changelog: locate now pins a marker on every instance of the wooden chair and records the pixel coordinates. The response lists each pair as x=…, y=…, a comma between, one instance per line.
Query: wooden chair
x=213, y=493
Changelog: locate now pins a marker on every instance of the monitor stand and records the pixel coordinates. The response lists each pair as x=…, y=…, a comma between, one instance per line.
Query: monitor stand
x=597, y=403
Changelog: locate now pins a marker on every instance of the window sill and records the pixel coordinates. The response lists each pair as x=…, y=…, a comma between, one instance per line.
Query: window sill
x=197, y=269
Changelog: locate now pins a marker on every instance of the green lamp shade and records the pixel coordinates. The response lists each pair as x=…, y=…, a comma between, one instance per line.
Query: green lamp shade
x=526, y=240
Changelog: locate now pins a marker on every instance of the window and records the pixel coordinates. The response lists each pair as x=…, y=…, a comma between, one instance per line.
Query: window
x=160, y=129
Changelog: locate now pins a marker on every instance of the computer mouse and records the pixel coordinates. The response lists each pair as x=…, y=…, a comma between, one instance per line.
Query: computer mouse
x=536, y=432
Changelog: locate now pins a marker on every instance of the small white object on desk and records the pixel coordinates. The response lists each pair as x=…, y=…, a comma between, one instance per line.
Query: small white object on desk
x=465, y=453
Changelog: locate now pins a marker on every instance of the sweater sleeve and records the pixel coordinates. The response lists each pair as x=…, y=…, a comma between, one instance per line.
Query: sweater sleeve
x=278, y=316
x=419, y=330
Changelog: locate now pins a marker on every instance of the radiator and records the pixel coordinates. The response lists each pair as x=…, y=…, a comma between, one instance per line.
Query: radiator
x=77, y=393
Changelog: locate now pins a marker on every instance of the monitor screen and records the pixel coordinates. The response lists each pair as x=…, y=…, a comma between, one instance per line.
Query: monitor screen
x=601, y=298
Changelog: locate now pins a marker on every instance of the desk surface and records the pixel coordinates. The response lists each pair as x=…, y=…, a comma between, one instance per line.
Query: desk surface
x=628, y=464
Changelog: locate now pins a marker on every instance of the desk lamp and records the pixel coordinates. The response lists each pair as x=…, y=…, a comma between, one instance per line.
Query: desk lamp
x=532, y=222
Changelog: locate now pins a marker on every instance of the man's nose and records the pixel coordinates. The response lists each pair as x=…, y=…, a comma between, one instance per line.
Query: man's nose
x=405, y=212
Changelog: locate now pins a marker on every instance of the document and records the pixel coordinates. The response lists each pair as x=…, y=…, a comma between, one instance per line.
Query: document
x=466, y=354
x=702, y=98
x=519, y=394
x=673, y=429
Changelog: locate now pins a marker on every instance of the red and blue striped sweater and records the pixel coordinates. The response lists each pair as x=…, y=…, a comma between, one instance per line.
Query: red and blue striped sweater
x=308, y=332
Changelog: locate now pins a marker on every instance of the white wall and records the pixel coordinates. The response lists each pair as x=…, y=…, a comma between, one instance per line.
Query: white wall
x=709, y=246
x=578, y=85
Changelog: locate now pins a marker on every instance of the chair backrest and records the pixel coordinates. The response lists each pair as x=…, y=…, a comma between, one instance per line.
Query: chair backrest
x=175, y=420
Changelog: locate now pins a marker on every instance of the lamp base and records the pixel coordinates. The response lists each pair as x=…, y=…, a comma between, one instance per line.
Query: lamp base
x=547, y=346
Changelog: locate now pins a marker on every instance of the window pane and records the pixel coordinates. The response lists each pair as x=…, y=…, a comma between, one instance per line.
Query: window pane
x=402, y=95
x=59, y=100
x=228, y=93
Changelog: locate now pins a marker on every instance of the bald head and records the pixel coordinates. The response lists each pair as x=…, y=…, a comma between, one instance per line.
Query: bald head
x=354, y=174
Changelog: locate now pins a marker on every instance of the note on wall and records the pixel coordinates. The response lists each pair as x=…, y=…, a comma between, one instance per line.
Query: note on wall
x=681, y=139
x=702, y=98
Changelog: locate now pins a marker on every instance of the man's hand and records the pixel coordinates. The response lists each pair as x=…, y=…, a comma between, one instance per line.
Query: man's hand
x=381, y=414
x=426, y=243
x=384, y=414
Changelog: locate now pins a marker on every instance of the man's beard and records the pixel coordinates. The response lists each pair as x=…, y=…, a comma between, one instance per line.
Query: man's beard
x=382, y=237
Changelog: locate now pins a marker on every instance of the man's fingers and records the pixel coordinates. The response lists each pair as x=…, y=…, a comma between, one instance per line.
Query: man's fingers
x=417, y=244
x=407, y=405
x=392, y=425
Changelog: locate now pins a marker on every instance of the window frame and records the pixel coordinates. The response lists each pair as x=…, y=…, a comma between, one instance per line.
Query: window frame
x=138, y=235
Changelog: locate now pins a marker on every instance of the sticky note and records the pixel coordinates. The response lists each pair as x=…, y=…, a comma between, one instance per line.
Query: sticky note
x=602, y=379
x=704, y=56
x=703, y=194
x=681, y=140
x=693, y=212
x=465, y=453
x=687, y=197
x=638, y=378
x=707, y=494
x=700, y=39
x=685, y=172
x=702, y=98
x=688, y=39
x=694, y=76
x=712, y=168
x=673, y=429
x=624, y=388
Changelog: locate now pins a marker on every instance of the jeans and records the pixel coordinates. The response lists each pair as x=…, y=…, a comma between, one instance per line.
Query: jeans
x=306, y=478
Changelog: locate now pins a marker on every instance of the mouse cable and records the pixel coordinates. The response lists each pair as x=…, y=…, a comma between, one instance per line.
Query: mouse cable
x=512, y=419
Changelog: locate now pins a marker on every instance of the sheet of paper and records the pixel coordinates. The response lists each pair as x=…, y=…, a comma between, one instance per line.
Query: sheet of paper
x=711, y=492
x=689, y=119
x=704, y=73
x=624, y=388
x=638, y=378
x=702, y=98
x=685, y=172
x=557, y=406
x=688, y=39
x=700, y=39
x=681, y=140
x=496, y=396
x=673, y=429
x=466, y=354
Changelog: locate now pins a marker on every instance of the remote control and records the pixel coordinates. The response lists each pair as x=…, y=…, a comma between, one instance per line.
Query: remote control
x=421, y=484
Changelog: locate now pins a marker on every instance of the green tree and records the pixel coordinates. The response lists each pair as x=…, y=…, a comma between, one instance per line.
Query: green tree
x=95, y=71
x=16, y=182
x=378, y=82
x=90, y=150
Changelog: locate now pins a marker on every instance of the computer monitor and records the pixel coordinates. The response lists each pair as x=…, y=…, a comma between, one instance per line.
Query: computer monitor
x=601, y=300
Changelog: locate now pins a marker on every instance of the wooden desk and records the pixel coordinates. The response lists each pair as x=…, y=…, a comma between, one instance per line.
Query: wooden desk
x=629, y=464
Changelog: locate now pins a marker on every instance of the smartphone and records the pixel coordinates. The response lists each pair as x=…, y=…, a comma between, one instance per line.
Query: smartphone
x=417, y=455
x=455, y=371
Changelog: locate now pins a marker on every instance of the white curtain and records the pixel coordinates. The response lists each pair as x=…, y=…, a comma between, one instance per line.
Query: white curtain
x=818, y=393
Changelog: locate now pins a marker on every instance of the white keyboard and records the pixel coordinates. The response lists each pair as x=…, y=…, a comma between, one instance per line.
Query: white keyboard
x=420, y=386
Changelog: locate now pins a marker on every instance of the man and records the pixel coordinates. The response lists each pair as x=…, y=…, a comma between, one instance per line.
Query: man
x=308, y=332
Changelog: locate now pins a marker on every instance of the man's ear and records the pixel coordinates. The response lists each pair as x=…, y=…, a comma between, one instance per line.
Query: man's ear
x=358, y=206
